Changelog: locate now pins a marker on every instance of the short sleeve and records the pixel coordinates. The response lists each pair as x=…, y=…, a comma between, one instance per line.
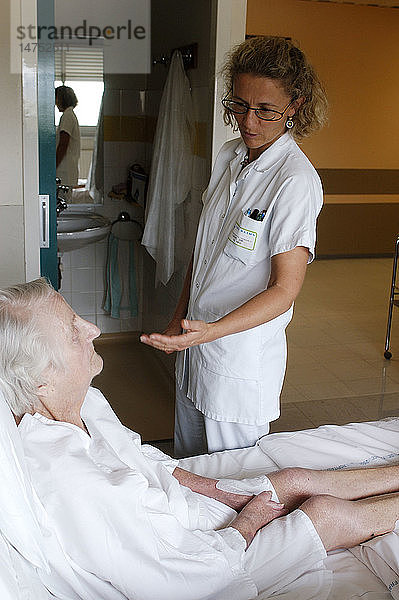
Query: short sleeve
x=294, y=216
x=67, y=122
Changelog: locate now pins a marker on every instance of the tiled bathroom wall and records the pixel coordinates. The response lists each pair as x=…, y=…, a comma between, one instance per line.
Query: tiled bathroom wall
x=83, y=286
x=82, y=280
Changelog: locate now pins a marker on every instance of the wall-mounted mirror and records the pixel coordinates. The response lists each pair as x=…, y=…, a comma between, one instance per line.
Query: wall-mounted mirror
x=82, y=69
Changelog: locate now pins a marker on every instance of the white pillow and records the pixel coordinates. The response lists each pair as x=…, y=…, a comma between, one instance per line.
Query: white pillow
x=18, y=522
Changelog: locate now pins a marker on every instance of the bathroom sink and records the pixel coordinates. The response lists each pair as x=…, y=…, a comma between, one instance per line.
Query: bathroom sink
x=76, y=230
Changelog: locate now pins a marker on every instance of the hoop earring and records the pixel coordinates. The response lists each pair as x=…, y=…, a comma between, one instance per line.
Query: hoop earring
x=289, y=123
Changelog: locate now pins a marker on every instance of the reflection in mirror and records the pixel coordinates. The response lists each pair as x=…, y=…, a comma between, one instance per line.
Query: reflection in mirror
x=81, y=68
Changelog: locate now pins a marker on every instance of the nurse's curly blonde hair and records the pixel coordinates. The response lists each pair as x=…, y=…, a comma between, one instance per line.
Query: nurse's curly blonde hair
x=278, y=58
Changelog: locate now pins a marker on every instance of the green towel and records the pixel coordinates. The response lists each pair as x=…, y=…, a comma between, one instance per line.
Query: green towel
x=121, y=289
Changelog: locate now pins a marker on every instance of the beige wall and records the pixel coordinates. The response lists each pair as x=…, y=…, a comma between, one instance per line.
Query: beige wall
x=12, y=249
x=356, y=53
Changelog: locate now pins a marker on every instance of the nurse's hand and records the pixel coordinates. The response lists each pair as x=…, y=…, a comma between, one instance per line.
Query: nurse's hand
x=195, y=332
x=174, y=328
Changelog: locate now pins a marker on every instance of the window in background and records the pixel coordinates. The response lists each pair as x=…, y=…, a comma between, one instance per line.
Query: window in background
x=89, y=94
x=81, y=69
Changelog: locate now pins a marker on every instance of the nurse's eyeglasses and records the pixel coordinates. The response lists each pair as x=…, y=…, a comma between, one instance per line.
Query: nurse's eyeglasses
x=266, y=114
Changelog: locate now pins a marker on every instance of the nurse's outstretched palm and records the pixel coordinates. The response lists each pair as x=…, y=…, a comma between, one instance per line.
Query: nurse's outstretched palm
x=194, y=333
x=174, y=328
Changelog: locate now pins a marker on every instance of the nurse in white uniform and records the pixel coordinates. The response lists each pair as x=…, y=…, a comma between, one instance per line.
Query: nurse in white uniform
x=68, y=137
x=255, y=237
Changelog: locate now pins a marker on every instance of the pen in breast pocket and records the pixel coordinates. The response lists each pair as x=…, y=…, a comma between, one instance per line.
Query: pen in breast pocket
x=254, y=214
x=261, y=216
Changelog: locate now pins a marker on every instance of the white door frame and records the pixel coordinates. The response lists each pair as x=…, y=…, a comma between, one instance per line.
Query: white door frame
x=30, y=149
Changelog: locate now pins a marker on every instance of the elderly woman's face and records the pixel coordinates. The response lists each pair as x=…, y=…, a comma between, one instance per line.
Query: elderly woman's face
x=260, y=92
x=80, y=363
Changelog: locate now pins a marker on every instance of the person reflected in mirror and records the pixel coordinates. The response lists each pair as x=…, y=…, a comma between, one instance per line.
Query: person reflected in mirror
x=255, y=238
x=67, y=138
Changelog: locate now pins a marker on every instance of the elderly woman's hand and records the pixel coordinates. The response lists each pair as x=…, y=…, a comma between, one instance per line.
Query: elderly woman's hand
x=257, y=513
x=195, y=332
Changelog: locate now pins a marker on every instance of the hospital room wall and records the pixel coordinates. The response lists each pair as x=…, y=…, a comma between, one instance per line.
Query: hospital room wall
x=355, y=51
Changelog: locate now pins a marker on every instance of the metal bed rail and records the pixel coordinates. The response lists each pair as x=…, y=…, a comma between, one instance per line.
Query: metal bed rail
x=392, y=297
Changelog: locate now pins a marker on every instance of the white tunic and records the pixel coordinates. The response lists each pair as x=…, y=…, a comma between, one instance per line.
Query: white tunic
x=123, y=518
x=68, y=169
x=238, y=378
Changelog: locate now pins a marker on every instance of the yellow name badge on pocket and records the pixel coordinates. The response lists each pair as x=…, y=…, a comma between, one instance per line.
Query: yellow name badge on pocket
x=243, y=237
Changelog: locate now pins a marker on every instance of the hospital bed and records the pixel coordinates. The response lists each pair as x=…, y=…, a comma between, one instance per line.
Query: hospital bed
x=350, y=575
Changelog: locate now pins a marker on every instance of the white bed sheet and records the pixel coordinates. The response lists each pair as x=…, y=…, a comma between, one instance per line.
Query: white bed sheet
x=327, y=447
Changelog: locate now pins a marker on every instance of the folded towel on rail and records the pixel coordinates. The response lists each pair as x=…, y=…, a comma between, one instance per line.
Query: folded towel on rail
x=121, y=289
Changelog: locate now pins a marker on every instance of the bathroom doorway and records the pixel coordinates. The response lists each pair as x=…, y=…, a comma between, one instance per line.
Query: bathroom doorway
x=131, y=106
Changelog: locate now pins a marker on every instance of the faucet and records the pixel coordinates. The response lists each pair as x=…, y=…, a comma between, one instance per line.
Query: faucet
x=61, y=202
x=60, y=206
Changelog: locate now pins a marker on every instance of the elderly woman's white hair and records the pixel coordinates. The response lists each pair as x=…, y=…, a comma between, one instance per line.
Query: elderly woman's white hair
x=25, y=350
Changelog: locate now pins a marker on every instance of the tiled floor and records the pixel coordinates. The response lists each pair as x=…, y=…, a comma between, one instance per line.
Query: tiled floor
x=137, y=384
x=336, y=370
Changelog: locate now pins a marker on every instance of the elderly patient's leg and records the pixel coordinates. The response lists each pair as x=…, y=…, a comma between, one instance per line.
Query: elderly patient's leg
x=346, y=523
x=294, y=485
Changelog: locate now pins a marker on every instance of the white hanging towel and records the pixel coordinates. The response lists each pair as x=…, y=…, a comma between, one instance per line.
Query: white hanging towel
x=95, y=178
x=171, y=170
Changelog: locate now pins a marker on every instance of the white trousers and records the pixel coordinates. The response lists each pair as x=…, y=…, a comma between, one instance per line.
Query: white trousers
x=197, y=434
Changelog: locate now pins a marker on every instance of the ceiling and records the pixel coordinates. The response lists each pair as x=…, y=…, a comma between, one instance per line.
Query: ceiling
x=380, y=3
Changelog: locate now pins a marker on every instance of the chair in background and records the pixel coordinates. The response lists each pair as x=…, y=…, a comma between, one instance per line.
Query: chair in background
x=394, y=293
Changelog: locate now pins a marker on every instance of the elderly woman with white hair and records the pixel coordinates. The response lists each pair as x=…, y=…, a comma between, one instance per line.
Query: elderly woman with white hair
x=123, y=520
